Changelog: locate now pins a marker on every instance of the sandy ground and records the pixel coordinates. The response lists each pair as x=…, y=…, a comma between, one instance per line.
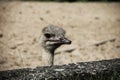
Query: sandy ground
x=94, y=29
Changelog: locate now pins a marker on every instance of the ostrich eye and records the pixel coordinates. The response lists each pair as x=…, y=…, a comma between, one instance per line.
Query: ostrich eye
x=47, y=35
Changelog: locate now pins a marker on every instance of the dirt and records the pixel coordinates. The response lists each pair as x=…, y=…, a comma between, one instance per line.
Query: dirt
x=94, y=29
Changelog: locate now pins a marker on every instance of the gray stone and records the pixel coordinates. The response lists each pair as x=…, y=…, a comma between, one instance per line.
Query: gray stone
x=96, y=70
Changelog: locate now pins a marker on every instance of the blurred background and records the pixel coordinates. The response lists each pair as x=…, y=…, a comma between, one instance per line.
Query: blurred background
x=94, y=29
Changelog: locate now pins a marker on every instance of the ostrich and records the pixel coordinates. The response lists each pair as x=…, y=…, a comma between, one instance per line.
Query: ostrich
x=52, y=37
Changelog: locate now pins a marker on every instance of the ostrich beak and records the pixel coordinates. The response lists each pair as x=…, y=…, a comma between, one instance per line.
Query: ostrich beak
x=65, y=41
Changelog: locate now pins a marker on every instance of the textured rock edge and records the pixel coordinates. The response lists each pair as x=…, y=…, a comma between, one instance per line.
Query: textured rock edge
x=95, y=70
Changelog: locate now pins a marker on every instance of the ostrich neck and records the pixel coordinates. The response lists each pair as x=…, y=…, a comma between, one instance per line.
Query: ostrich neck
x=47, y=57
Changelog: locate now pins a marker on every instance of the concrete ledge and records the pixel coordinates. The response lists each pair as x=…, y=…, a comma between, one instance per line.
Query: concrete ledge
x=96, y=70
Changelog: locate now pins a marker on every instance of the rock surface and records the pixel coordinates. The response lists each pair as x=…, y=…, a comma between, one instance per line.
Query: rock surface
x=97, y=70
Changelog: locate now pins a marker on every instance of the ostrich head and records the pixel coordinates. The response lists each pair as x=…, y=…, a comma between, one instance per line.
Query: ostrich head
x=52, y=37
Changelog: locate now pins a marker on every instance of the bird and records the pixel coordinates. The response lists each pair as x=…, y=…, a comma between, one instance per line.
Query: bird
x=51, y=38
